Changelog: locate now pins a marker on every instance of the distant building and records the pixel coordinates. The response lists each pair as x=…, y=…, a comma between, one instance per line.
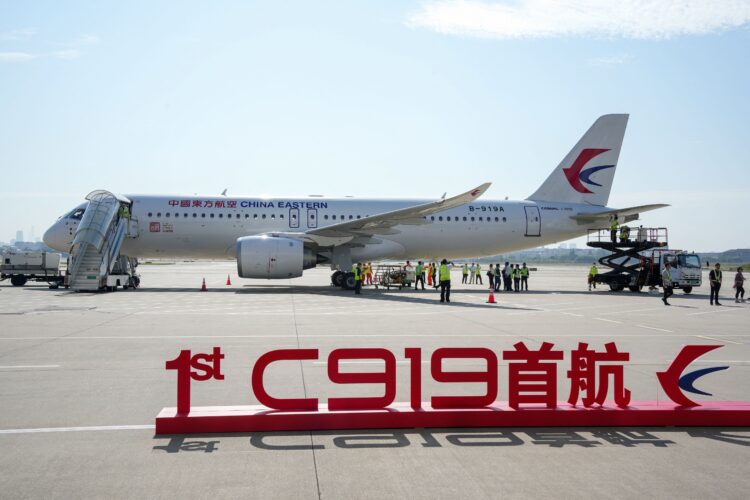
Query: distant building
x=19, y=235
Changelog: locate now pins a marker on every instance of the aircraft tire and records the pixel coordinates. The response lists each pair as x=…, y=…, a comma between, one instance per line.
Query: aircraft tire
x=337, y=279
x=687, y=289
x=615, y=286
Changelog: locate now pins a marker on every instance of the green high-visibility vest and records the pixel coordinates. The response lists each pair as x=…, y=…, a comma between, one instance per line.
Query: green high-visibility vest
x=525, y=271
x=479, y=270
x=717, y=275
x=445, y=273
x=420, y=268
x=465, y=270
x=615, y=224
x=357, y=274
x=594, y=271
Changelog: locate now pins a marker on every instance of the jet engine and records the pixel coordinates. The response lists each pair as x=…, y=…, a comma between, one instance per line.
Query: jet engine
x=272, y=257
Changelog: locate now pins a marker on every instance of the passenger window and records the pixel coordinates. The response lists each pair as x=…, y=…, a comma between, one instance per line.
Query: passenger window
x=203, y=215
x=480, y=219
x=358, y=217
x=281, y=216
x=264, y=216
x=504, y=219
x=167, y=214
x=212, y=216
x=333, y=217
x=158, y=214
x=472, y=219
x=255, y=216
x=195, y=215
x=464, y=219
x=448, y=218
x=440, y=218
x=221, y=216
x=496, y=219
x=247, y=216
x=432, y=217
x=273, y=216
x=150, y=214
x=351, y=217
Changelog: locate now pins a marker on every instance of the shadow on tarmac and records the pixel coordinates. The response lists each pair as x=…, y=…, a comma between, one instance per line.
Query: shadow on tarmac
x=442, y=438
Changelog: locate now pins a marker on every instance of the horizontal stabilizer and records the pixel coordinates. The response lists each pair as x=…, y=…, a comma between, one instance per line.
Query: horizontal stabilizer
x=624, y=214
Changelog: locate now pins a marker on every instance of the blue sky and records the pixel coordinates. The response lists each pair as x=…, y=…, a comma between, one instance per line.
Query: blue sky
x=374, y=99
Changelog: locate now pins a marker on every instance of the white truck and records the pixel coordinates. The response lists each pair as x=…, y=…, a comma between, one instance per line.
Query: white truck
x=21, y=267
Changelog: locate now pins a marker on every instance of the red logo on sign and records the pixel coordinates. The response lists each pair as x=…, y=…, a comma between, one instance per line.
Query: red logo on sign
x=154, y=227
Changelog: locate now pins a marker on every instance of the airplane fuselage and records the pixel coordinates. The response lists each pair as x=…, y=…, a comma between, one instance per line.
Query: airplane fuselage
x=208, y=227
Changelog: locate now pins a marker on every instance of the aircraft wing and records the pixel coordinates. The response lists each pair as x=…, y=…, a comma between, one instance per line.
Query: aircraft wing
x=624, y=214
x=383, y=223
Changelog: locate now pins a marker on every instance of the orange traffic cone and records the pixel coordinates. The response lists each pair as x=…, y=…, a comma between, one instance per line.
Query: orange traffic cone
x=229, y=282
x=203, y=286
x=491, y=299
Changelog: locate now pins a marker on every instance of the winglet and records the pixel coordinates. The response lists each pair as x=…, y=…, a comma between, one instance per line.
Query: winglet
x=466, y=197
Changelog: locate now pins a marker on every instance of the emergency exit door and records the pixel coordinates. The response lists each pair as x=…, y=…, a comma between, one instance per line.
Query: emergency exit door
x=312, y=218
x=294, y=218
x=533, y=221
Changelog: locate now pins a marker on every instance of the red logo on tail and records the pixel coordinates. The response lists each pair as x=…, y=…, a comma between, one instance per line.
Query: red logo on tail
x=573, y=172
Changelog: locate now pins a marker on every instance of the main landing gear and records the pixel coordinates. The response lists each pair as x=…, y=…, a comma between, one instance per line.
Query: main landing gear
x=343, y=280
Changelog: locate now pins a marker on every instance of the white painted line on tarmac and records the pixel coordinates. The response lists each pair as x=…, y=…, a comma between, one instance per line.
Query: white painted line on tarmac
x=654, y=328
x=722, y=309
x=11, y=367
x=78, y=429
x=634, y=311
x=572, y=314
x=712, y=361
x=717, y=339
x=609, y=320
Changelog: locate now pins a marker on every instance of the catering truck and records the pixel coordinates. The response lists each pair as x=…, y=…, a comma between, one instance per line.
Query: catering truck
x=21, y=267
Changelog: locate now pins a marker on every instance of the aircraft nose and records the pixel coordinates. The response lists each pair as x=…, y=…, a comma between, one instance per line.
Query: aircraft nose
x=53, y=238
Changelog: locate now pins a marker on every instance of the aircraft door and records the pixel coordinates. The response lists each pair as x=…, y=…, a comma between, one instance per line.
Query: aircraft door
x=294, y=218
x=312, y=218
x=133, y=227
x=533, y=221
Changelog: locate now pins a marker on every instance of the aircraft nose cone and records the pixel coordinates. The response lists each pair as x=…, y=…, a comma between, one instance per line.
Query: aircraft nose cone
x=52, y=238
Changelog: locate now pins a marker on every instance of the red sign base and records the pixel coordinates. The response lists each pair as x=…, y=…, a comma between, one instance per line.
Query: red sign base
x=224, y=419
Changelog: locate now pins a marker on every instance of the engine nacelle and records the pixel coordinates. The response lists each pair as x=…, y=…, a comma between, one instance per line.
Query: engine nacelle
x=270, y=257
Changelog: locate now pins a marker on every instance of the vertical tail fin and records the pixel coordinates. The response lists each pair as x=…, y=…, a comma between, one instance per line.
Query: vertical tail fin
x=586, y=173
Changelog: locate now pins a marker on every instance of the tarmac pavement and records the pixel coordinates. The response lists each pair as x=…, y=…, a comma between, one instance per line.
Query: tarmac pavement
x=82, y=377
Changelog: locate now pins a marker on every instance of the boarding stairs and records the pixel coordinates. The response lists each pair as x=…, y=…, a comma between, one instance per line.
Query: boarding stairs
x=95, y=253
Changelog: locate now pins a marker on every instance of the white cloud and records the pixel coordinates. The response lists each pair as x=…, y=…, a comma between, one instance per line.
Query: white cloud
x=611, y=60
x=66, y=54
x=18, y=34
x=644, y=19
x=16, y=56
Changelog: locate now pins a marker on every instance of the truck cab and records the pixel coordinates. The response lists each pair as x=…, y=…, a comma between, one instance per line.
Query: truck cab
x=685, y=267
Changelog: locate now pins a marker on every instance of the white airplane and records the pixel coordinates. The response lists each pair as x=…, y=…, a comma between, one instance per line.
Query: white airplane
x=278, y=238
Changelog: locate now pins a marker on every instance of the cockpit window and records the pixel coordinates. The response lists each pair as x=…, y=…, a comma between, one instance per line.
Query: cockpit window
x=76, y=213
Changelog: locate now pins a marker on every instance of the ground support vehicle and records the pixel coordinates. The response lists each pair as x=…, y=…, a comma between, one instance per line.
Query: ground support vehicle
x=22, y=267
x=637, y=263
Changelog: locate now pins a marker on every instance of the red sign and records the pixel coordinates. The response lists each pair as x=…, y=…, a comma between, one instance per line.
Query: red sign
x=532, y=393
x=154, y=227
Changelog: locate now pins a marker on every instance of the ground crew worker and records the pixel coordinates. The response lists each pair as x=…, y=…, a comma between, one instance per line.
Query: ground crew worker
x=445, y=281
x=516, y=273
x=613, y=228
x=498, y=277
x=666, y=283
x=491, y=277
x=739, y=285
x=715, y=278
x=429, y=274
x=592, y=275
x=357, y=269
x=472, y=273
x=434, y=274
x=525, y=277
x=419, y=275
x=479, y=274
x=507, y=278
x=124, y=211
x=464, y=273
x=624, y=234
x=368, y=273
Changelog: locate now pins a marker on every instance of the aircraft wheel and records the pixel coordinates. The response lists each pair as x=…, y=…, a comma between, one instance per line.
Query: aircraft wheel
x=337, y=278
x=18, y=280
x=615, y=287
x=349, y=282
x=687, y=289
